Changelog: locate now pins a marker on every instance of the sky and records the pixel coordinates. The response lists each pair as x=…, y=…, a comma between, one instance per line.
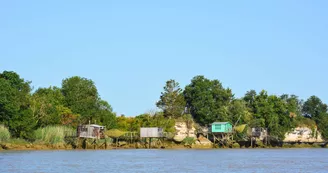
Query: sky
x=131, y=48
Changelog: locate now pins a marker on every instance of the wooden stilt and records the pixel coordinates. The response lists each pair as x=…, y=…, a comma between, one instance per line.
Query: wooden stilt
x=149, y=143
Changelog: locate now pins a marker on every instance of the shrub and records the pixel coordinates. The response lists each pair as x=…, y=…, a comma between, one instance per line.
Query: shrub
x=4, y=134
x=52, y=134
x=188, y=141
x=235, y=145
x=114, y=133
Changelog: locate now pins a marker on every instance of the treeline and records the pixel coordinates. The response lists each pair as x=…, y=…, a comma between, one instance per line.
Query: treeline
x=205, y=101
x=208, y=101
x=77, y=101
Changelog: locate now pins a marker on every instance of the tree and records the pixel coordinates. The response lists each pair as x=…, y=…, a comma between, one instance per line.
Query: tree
x=14, y=104
x=207, y=100
x=172, y=100
x=81, y=96
x=45, y=104
x=294, y=105
x=239, y=113
x=106, y=115
x=314, y=108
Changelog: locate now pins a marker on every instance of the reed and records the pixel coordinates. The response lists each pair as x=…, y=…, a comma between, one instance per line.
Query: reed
x=52, y=134
x=4, y=134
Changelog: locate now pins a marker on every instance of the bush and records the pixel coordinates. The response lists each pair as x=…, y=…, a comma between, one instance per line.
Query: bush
x=114, y=133
x=235, y=145
x=188, y=141
x=52, y=134
x=4, y=134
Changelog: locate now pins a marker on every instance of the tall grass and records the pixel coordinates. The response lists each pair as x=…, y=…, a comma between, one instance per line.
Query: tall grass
x=4, y=134
x=52, y=134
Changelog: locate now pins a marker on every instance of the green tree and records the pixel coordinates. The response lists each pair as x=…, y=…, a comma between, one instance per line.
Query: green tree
x=106, y=115
x=294, y=105
x=81, y=96
x=14, y=104
x=239, y=113
x=272, y=113
x=315, y=109
x=44, y=105
x=172, y=100
x=207, y=100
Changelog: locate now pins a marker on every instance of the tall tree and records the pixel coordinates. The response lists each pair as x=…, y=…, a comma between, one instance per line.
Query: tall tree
x=45, y=104
x=81, y=96
x=239, y=113
x=14, y=104
x=207, y=100
x=172, y=100
x=294, y=105
x=315, y=109
x=106, y=115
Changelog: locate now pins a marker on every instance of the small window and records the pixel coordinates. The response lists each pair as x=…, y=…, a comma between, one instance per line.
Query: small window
x=217, y=126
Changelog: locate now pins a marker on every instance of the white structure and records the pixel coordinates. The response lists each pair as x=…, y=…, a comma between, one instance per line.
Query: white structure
x=151, y=132
x=93, y=131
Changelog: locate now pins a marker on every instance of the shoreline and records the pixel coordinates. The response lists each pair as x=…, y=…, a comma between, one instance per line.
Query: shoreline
x=38, y=147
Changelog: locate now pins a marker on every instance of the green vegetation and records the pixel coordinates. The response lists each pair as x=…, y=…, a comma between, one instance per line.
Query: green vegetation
x=189, y=141
x=44, y=114
x=52, y=134
x=4, y=134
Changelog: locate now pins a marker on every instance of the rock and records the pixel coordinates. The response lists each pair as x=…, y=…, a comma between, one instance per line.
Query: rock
x=122, y=143
x=28, y=145
x=182, y=131
x=202, y=142
x=303, y=134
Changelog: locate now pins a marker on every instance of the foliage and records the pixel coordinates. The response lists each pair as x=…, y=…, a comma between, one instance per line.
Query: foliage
x=172, y=100
x=240, y=128
x=315, y=109
x=239, y=112
x=145, y=120
x=269, y=111
x=81, y=96
x=114, y=133
x=207, y=100
x=189, y=141
x=235, y=145
x=46, y=104
x=14, y=105
x=53, y=134
x=4, y=133
x=106, y=115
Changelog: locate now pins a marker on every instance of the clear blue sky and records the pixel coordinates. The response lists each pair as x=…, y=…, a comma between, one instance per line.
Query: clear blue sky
x=130, y=48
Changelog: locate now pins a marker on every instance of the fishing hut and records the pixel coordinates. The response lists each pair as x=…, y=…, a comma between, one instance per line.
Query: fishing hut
x=222, y=132
x=259, y=134
x=93, y=132
x=151, y=132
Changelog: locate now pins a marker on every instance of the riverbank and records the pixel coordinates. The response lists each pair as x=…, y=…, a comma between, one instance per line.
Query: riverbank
x=20, y=147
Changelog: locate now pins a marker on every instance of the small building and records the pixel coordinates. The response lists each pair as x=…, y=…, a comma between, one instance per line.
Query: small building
x=151, y=132
x=221, y=127
x=259, y=132
x=92, y=131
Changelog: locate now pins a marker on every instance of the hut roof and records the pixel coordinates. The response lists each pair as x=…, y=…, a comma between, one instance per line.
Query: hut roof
x=221, y=123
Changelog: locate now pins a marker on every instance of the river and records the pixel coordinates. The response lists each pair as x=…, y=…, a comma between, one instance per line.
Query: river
x=142, y=161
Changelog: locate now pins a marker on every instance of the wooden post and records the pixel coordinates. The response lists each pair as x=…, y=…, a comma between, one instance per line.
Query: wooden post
x=252, y=142
x=105, y=143
x=266, y=136
x=149, y=143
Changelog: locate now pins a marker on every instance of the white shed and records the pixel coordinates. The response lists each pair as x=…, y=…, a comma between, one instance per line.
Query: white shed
x=151, y=132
